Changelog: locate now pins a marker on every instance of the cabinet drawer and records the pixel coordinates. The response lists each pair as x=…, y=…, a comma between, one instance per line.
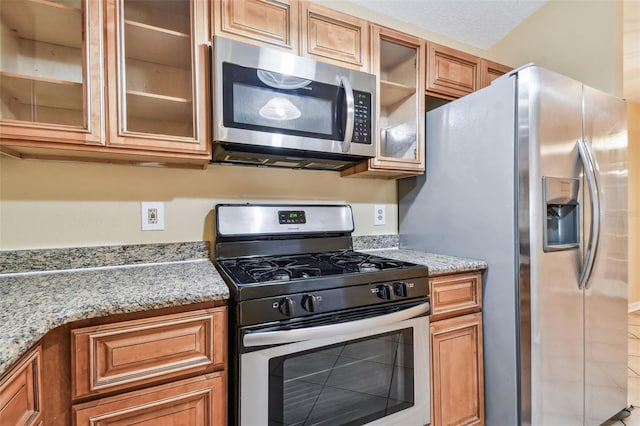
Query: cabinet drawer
x=21, y=392
x=455, y=295
x=121, y=355
x=199, y=401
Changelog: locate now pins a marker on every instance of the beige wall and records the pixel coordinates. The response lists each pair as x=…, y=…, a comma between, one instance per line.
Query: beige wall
x=633, y=120
x=46, y=204
x=581, y=39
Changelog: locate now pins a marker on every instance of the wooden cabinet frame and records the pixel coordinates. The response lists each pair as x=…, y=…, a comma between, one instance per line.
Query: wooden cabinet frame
x=200, y=401
x=451, y=73
x=21, y=391
x=122, y=355
x=393, y=95
x=269, y=22
x=489, y=71
x=331, y=36
x=29, y=134
x=457, y=377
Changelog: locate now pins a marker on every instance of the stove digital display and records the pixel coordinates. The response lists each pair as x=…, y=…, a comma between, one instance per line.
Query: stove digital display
x=286, y=217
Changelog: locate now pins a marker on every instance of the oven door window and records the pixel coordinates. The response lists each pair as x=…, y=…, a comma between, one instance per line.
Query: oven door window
x=271, y=102
x=350, y=383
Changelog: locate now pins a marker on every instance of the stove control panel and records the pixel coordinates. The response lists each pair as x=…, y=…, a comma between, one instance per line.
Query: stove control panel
x=297, y=305
x=286, y=217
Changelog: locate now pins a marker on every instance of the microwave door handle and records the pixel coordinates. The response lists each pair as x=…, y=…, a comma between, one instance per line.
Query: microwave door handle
x=351, y=113
x=324, y=331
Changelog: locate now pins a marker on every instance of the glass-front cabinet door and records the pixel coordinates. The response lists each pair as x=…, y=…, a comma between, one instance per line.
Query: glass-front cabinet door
x=399, y=60
x=156, y=59
x=50, y=71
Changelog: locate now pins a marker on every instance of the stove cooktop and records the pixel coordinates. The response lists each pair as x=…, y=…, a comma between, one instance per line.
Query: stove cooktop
x=267, y=269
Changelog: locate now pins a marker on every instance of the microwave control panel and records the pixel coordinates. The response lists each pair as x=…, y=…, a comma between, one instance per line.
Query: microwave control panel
x=362, y=122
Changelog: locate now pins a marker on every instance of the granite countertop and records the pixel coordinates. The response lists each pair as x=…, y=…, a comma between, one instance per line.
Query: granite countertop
x=45, y=295
x=43, y=289
x=438, y=264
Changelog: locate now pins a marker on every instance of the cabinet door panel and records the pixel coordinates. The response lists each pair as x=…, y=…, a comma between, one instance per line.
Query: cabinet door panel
x=489, y=71
x=271, y=22
x=199, y=402
x=451, y=72
x=398, y=59
x=457, y=371
x=50, y=75
x=21, y=392
x=334, y=37
x=157, y=75
x=121, y=355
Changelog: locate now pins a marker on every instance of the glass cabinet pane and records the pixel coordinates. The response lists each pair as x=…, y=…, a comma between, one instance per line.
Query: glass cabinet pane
x=157, y=94
x=398, y=100
x=42, y=54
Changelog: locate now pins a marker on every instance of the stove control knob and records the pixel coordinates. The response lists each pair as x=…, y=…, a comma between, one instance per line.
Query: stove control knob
x=400, y=289
x=286, y=306
x=310, y=303
x=384, y=292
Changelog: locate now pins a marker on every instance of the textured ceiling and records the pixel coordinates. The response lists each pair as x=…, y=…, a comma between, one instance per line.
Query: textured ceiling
x=479, y=23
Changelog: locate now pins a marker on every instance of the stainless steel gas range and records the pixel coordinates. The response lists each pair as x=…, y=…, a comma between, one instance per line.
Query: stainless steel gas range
x=319, y=333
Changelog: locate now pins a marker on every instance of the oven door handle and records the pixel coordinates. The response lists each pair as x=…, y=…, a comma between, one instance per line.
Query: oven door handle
x=322, y=331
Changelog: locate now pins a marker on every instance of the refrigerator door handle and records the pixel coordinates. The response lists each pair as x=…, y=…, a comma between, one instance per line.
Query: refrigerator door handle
x=593, y=183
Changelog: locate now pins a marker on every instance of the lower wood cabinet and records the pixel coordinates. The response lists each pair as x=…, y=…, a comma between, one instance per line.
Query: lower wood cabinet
x=120, y=355
x=21, y=392
x=161, y=367
x=457, y=377
x=457, y=368
x=198, y=401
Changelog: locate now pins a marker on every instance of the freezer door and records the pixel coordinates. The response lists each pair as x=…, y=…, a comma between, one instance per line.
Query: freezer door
x=551, y=302
x=606, y=287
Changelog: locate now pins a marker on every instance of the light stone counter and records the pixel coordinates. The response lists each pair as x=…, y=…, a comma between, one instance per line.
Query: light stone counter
x=34, y=302
x=438, y=264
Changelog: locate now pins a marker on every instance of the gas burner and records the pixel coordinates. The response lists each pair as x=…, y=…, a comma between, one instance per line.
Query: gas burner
x=281, y=275
x=368, y=267
x=276, y=269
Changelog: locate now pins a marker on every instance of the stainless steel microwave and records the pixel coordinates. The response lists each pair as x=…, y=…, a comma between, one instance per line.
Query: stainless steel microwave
x=272, y=108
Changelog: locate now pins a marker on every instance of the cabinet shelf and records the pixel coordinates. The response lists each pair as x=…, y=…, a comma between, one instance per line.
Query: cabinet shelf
x=391, y=93
x=31, y=20
x=157, y=45
x=158, y=107
x=43, y=92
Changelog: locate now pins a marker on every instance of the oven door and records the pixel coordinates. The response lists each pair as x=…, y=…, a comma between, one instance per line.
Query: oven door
x=373, y=370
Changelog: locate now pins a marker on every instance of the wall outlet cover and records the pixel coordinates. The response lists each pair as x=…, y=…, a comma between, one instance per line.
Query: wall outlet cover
x=152, y=215
x=379, y=214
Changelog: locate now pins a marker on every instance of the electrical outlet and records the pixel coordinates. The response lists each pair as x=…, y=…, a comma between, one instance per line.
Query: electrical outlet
x=152, y=216
x=379, y=214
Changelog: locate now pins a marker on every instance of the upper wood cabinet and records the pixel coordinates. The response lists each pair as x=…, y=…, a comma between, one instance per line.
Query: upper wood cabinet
x=268, y=22
x=489, y=71
x=451, y=73
x=21, y=392
x=96, y=76
x=157, y=74
x=50, y=74
x=331, y=36
x=398, y=59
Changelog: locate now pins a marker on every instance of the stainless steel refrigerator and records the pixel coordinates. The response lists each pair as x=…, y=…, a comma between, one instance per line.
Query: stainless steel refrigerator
x=530, y=174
